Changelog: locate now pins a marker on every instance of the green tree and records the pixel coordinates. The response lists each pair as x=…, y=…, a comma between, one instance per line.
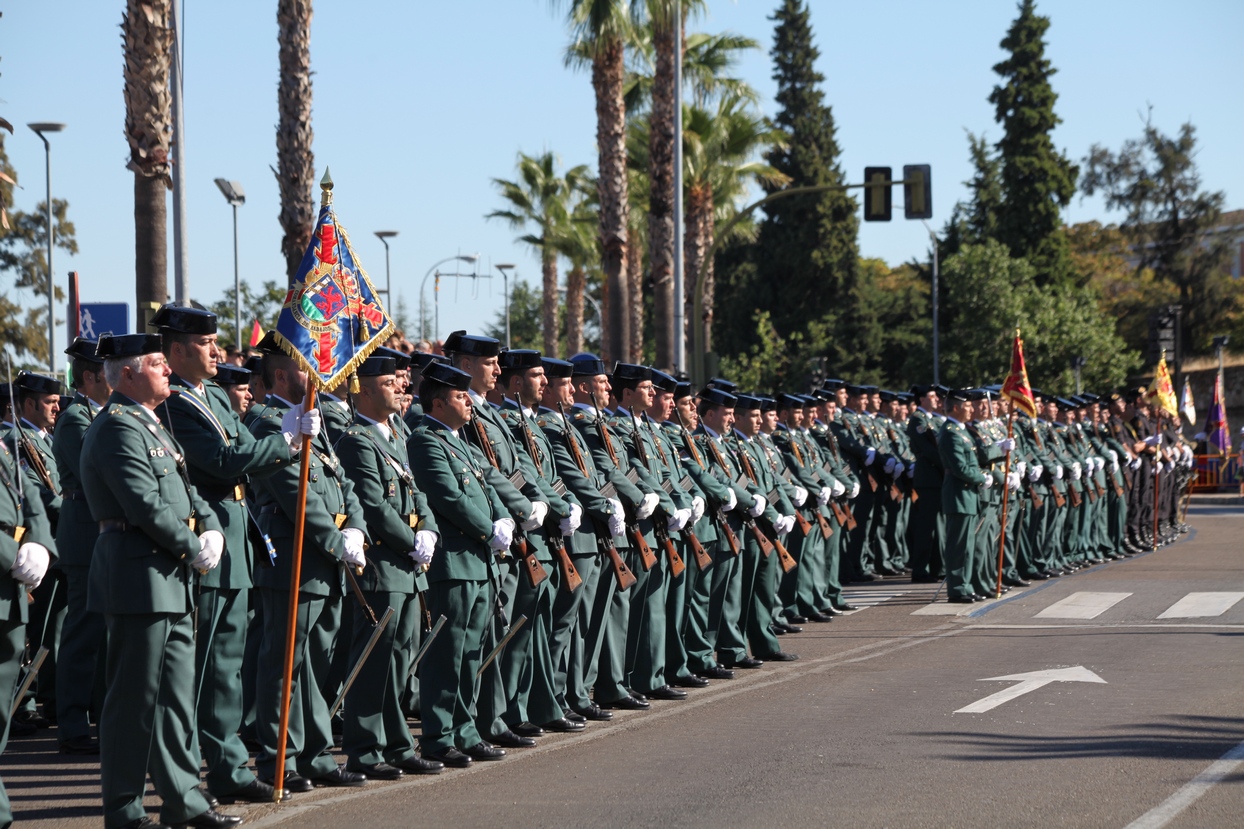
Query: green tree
x=526, y=323
x=1169, y=222
x=1037, y=180
x=976, y=220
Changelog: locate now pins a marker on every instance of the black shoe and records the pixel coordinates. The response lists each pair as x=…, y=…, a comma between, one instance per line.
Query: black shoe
x=340, y=777
x=665, y=692
x=781, y=628
x=564, y=726
x=637, y=695
x=82, y=745
x=32, y=718
x=971, y=599
x=420, y=765
x=844, y=607
x=1042, y=576
x=594, y=713
x=295, y=783
x=689, y=682
x=796, y=619
x=255, y=791
x=981, y=597
x=1053, y=574
x=747, y=663
x=212, y=802
x=143, y=822
x=820, y=618
x=1016, y=582
x=780, y=656
x=377, y=771
x=865, y=577
x=483, y=751
x=526, y=729
x=509, y=739
x=576, y=717
x=829, y=611
x=211, y=819
x=625, y=704
x=19, y=728
x=451, y=757
x=886, y=571
x=924, y=579
x=715, y=672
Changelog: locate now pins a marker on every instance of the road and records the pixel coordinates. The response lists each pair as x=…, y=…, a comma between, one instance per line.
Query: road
x=863, y=730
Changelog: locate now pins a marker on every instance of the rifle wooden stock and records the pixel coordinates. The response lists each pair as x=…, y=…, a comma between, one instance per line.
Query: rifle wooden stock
x=531, y=565
x=766, y=546
x=723, y=527
x=784, y=557
x=625, y=578
x=872, y=482
x=1037, y=500
x=570, y=574
x=1060, y=500
x=677, y=565
x=839, y=513
x=805, y=526
x=826, y=530
x=1074, y=497
x=647, y=558
x=702, y=558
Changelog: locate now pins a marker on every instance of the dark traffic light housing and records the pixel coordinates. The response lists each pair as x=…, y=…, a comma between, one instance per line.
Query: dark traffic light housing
x=877, y=197
x=917, y=191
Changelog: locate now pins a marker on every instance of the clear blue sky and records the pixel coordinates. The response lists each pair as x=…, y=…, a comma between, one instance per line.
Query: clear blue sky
x=418, y=105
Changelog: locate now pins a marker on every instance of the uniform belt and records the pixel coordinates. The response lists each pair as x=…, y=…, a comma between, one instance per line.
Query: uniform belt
x=15, y=532
x=73, y=495
x=113, y=525
x=236, y=492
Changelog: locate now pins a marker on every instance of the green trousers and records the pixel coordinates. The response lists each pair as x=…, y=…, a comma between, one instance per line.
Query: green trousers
x=609, y=683
x=926, y=533
x=760, y=604
x=527, y=662
x=84, y=638
x=799, y=590
x=732, y=589
x=577, y=632
x=219, y=648
x=676, y=594
x=699, y=631
x=447, y=684
x=12, y=643
x=375, y=728
x=645, y=639
x=958, y=553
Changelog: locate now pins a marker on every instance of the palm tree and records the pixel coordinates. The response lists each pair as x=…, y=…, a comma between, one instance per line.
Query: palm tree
x=578, y=241
x=542, y=201
x=600, y=31
x=295, y=171
x=148, y=39
x=719, y=146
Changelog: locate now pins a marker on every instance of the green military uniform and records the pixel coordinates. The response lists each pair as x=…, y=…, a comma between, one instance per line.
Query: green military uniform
x=927, y=530
x=960, y=504
x=835, y=466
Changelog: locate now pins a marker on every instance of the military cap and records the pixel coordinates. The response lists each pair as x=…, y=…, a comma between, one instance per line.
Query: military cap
x=833, y=385
x=554, y=367
x=587, y=365
x=28, y=381
x=941, y=390
x=994, y=388
x=1112, y=396
x=984, y=393
x=269, y=345
x=920, y=389
x=520, y=358
x=1065, y=403
x=1036, y=392
x=907, y=397
x=183, y=320
x=823, y=394
x=447, y=375
x=253, y=364
x=723, y=384
x=746, y=401
x=473, y=345
x=631, y=373
x=420, y=360
x=888, y=396
x=788, y=401
x=401, y=358
x=231, y=375
x=854, y=390
x=663, y=381
x=717, y=397
x=768, y=404
x=1089, y=398
x=377, y=366
x=65, y=402
x=83, y=349
x=682, y=390
x=1133, y=393
x=127, y=345
x=959, y=395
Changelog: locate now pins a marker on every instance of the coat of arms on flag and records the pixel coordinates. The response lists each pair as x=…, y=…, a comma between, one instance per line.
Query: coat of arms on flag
x=1016, y=388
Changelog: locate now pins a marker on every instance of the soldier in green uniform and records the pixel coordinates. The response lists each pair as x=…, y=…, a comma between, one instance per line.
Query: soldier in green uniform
x=222, y=456
x=846, y=487
x=155, y=531
x=83, y=636
x=961, y=488
x=236, y=381
x=927, y=530
x=475, y=527
x=800, y=464
x=333, y=536
x=376, y=740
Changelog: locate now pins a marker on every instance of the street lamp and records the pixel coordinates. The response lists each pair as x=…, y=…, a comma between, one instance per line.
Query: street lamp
x=233, y=194
x=1078, y=363
x=385, y=236
x=463, y=257
x=933, y=236
x=505, y=289
x=40, y=128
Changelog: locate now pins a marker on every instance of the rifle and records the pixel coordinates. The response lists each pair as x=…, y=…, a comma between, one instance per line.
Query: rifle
x=534, y=569
x=719, y=517
x=731, y=538
x=787, y=561
x=804, y=526
x=702, y=558
x=659, y=530
x=646, y=556
x=604, y=541
x=570, y=576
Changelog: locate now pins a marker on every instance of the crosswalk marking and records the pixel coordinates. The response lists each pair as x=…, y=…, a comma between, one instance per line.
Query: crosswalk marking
x=867, y=597
x=1197, y=605
x=1083, y=605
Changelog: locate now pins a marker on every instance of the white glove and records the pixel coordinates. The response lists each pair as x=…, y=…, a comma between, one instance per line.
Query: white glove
x=647, y=506
x=1114, y=467
x=1153, y=440
x=988, y=481
x=1058, y=472
x=783, y=524
x=539, y=511
x=697, y=509
x=425, y=547
x=911, y=470
x=890, y=463
x=211, y=548
x=731, y=502
x=678, y=520
x=801, y=496
x=617, y=523
x=1188, y=455
x=32, y=561
x=502, y=534
x=1114, y=456
x=758, y=506
x=822, y=497
x=1021, y=468
x=309, y=423
x=1157, y=469
x=1012, y=481
x=840, y=488
x=855, y=489
x=1134, y=463
x=870, y=457
x=352, y=540
x=1034, y=474
x=571, y=523
x=1076, y=472
x=899, y=468
x=1006, y=444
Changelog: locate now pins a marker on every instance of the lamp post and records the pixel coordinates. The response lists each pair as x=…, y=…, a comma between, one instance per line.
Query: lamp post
x=1220, y=344
x=1078, y=363
x=234, y=194
x=462, y=257
x=505, y=289
x=384, y=236
x=936, y=361
x=41, y=128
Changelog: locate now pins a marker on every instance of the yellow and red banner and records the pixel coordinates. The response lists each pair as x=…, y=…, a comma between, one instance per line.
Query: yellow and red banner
x=1016, y=388
x=1162, y=393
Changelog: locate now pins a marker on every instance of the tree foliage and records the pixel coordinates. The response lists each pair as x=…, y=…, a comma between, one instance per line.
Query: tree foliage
x=526, y=318
x=262, y=304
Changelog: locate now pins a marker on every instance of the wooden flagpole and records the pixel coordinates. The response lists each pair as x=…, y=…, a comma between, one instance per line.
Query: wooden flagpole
x=1006, y=497
x=1157, y=478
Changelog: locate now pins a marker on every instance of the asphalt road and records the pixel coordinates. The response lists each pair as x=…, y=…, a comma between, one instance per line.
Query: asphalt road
x=867, y=729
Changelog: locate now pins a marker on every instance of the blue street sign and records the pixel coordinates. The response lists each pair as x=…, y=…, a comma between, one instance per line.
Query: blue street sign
x=98, y=318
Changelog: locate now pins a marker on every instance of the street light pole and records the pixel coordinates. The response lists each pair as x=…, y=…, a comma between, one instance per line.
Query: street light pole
x=680, y=291
x=40, y=128
x=385, y=236
x=234, y=194
x=936, y=360
x=505, y=290
x=464, y=257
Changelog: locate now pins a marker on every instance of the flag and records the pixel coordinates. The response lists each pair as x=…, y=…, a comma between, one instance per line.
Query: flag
x=1186, y=404
x=256, y=334
x=1217, y=433
x=1162, y=394
x=331, y=319
x=1016, y=388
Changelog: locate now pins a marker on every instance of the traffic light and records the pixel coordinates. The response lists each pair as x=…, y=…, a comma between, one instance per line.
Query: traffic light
x=1162, y=333
x=877, y=197
x=917, y=191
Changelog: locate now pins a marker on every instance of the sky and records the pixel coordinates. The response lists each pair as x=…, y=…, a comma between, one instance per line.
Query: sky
x=419, y=105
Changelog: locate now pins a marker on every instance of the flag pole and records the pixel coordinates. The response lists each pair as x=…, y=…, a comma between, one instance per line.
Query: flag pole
x=1157, y=478
x=1006, y=497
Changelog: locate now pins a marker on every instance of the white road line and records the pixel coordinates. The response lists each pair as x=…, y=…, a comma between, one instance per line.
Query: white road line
x=1082, y=606
x=1169, y=809
x=866, y=598
x=1198, y=605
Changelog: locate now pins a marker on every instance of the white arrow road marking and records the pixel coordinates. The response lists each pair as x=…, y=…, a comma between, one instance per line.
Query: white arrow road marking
x=1199, y=605
x=1082, y=606
x=1030, y=681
